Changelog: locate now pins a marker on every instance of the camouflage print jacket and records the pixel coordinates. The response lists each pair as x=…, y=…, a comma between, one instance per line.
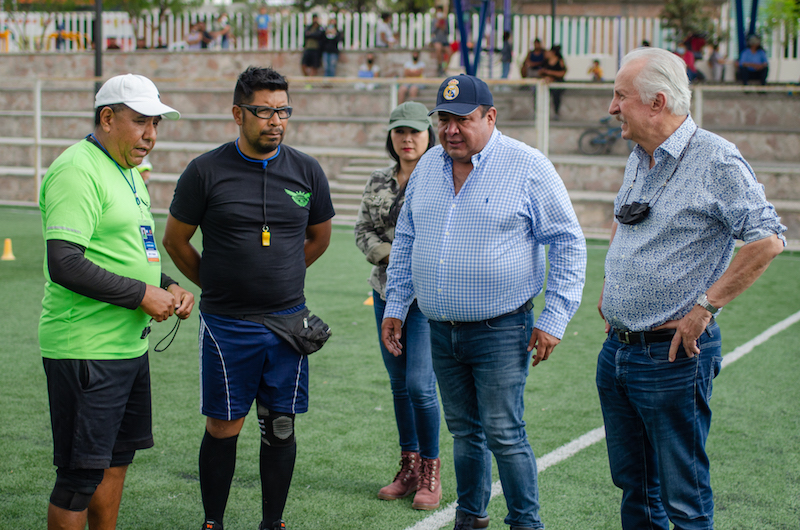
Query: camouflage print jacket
x=374, y=229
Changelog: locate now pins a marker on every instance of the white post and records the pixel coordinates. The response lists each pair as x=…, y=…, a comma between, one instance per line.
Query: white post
x=37, y=135
x=698, y=105
x=543, y=117
x=393, y=96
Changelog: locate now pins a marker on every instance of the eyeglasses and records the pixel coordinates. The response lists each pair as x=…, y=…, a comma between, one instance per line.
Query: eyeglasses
x=266, y=113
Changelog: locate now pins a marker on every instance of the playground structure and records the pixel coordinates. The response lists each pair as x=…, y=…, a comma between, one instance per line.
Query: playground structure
x=81, y=40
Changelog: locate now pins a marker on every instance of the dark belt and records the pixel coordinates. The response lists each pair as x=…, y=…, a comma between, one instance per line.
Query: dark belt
x=644, y=337
x=527, y=306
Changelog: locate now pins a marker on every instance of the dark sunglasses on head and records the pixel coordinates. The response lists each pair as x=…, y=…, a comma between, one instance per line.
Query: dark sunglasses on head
x=266, y=113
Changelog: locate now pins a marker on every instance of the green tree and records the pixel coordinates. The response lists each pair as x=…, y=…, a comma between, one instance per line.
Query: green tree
x=690, y=16
x=781, y=13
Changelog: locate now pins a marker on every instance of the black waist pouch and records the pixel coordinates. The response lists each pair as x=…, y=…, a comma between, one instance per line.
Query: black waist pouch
x=306, y=333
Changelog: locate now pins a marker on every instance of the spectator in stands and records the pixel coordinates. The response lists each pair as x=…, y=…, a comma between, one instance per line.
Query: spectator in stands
x=687, y=55
x=645, y=44
x=716, y=61
x=198, y=38
x=312, y=48
x=440, y=39
x=553, y=71
x=596, y=70
x=384, y=38
x=368, y=70
x=222, y=31
x=753, y=62
x=262, y=27
x=60, y=31
x=695, y=44
x=506, y=55
x=412, y=68
x=533, y=61
x=330, y=47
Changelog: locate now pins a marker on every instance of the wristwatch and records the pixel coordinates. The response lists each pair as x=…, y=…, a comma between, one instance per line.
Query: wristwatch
x=702, y=301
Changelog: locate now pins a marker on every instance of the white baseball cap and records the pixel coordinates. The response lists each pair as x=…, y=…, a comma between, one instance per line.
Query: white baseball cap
x=137, y=92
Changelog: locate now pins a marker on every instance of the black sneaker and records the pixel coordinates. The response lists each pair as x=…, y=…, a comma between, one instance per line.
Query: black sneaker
x=466, y=521
x=211, y=525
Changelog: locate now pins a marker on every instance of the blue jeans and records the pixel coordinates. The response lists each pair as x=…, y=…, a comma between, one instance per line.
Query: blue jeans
x=506, y=69
x=330, y=60
x=416, y=406
x=657, y=418
x=481, y=368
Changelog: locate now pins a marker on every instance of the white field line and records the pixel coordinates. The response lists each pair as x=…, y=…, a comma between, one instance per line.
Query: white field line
x=448, y=514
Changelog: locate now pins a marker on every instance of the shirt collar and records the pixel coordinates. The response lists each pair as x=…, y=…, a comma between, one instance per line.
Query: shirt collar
x=677, y=141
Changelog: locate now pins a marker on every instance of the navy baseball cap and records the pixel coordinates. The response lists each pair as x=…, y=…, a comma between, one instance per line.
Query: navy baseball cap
x=461, y=95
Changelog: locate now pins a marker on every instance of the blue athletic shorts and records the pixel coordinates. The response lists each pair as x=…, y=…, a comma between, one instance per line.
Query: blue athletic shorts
x=241, y=361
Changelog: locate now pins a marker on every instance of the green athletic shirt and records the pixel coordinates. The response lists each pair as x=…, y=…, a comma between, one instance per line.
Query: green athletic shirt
x=85, y=200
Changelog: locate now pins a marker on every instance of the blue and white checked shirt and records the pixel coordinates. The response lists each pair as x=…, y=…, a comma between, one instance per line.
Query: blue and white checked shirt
x=480, y=254
x=655, y=270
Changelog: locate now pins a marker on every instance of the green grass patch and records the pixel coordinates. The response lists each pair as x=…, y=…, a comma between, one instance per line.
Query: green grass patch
x=347, y=442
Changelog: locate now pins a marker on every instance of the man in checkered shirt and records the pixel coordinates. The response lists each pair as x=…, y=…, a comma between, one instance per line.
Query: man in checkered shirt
x=470, y=246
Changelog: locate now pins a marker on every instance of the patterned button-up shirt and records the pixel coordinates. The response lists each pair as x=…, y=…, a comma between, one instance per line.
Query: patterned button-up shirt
x=374, y=228
x=656, y=270
x=480, y=253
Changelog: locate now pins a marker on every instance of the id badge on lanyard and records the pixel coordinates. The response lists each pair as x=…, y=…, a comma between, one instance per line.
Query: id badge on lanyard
x=149, y=240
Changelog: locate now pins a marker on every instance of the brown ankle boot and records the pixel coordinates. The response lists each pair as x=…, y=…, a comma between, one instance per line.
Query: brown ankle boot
x=405, y=482
x=429, y=491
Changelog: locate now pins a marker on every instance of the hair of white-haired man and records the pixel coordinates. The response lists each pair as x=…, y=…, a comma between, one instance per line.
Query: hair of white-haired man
x=664, y=72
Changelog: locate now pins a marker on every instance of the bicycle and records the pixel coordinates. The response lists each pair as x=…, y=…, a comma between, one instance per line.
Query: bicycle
x=598, y=141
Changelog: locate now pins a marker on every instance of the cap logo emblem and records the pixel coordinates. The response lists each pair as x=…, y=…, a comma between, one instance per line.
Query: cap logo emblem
x=451, y=90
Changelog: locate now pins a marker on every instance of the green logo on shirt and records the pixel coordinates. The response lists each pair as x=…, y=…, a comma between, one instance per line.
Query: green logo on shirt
x=301, y=198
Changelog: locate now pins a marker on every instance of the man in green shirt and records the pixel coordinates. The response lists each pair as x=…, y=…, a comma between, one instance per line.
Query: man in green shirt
x=104, y=286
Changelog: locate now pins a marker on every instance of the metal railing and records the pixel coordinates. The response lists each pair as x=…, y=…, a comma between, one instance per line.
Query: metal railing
x=541, y=108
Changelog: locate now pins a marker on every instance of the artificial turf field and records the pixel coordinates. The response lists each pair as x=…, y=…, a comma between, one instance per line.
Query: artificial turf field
x=347, y=447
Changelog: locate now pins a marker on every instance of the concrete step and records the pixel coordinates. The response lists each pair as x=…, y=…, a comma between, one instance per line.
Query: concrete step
x=342, y=187
x=592, y=183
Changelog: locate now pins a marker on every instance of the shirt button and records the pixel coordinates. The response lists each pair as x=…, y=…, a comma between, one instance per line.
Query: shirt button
x=441, y=261
x=447, y=233
x=438, y=290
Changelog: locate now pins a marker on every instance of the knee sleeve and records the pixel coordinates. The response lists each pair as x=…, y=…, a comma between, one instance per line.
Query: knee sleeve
x=74, y=488
x=277, y=428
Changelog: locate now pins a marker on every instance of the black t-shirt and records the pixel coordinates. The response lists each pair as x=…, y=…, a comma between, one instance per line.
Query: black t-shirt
x=222, y=192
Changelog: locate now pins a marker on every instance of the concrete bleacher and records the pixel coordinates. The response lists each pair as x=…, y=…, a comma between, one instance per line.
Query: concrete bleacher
x=345, y=129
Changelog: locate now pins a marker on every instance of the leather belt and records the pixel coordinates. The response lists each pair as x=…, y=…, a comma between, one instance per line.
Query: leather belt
x=527, y=306
x=644, y=337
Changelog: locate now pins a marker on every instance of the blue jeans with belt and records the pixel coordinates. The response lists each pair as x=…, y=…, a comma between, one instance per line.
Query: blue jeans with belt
x=657, y=418
x=416, y=406
x=481, y=368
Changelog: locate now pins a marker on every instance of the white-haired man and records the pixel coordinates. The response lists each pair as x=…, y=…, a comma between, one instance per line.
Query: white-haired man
x=687, y=196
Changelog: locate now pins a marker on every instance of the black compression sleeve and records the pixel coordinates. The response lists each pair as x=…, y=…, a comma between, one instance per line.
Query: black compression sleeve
x=166, y=281
x=69, y=268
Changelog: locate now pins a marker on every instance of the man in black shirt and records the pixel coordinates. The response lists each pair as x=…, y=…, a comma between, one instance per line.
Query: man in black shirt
x=265, y=213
